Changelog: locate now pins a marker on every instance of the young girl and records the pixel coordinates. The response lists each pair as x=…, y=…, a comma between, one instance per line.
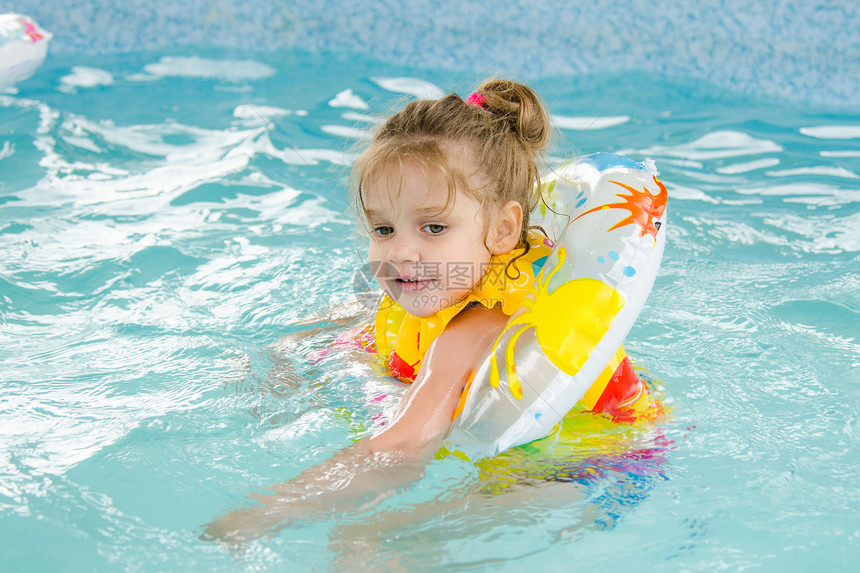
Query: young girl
x=445, y=191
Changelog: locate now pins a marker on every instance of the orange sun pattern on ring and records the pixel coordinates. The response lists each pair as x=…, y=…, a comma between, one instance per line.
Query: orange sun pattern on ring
x=644, y=207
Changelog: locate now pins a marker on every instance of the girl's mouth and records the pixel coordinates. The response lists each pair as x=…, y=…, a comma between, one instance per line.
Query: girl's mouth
x=408, y=284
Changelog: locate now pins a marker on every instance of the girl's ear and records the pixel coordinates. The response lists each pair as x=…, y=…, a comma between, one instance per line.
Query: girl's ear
x=505, y=230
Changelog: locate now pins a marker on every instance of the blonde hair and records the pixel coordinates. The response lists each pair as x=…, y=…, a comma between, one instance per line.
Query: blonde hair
x=506, y=134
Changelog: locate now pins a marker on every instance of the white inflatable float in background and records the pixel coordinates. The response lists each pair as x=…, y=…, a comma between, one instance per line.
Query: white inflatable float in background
x=607, y=216
x=23, y=47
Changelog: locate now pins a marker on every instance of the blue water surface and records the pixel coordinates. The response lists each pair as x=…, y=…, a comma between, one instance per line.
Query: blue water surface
x=168, y=219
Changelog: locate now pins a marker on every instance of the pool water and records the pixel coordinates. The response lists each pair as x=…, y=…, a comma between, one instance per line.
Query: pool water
x=167, y=221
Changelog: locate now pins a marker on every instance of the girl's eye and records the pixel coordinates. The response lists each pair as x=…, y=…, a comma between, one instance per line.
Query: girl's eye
x=383, y=231
x=434, y=228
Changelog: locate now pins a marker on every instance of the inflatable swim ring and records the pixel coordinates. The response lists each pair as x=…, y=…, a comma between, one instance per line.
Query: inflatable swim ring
x=607, y=215
x=23, y=47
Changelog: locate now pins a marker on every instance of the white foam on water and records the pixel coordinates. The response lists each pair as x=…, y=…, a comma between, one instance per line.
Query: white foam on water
x=844, y=197
x=84, y=77
x=205, y=68
x=347, y=98
x=846, y=153
x=738, y=168
x=832, y=131
x=690, y=194
x=152, y=139
x=819, y=170
x=7, y=150
x=249, y=110
x=262, y=143
x=741, y=202
x=141, y=77
x=251, y=115
x=830, y=234
x=57, y=423
x=816, y=194
x=588, y=123
x=346, y=131
x=82, y=142
x=715, y=145
x=47, y=116
x=421, y=89
x=678, y=162
x=353, y=116
x=790, y=189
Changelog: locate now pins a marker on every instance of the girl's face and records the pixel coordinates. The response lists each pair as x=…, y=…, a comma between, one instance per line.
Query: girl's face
x=426, y=253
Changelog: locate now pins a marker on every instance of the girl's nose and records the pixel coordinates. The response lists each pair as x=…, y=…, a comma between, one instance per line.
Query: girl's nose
x=403, y=250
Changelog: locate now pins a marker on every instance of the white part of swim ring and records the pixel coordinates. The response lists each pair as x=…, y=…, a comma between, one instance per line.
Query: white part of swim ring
x=609, y=226
x=23, y=47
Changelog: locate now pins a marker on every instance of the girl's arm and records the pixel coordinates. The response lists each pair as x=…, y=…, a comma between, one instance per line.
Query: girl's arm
x=392, y=457
x=423, y=417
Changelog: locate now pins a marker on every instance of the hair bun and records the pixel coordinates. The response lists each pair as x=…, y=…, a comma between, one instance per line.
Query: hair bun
x=521, y=108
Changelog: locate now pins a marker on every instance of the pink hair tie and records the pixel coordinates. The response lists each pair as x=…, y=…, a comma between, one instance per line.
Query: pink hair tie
x=476, y=99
